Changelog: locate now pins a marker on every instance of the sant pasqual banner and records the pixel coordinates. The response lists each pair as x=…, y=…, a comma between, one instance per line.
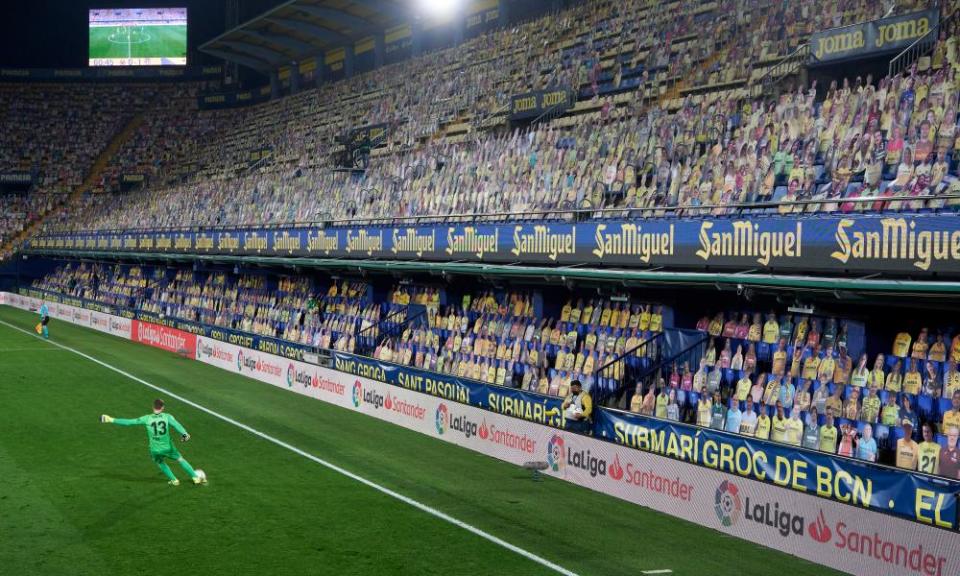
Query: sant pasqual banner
x=907, y=244
x=509, y=401
x=533, y=104
x=921, y=498
x=850, y=538
x=869, y=39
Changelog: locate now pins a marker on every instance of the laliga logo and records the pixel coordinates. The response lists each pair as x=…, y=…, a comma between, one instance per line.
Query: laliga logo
x=440, y=419
x=819, y=530
x=727, y=503
x=463, y=424
x=555, y=452
x=291, y=375
x=240, y=361
x=357, y=394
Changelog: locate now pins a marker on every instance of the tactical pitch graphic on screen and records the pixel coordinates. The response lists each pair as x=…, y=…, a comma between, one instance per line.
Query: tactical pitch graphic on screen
x=138, y=37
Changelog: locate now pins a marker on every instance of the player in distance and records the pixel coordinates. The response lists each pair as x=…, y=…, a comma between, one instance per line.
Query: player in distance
x=42, y=328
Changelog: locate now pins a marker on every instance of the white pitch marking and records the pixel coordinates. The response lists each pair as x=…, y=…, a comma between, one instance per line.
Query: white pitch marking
x=664, y=571
x=406, y=499
x=2, y=350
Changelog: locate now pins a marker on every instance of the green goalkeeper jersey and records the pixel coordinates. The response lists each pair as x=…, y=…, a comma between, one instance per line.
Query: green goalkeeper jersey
x=158, y=429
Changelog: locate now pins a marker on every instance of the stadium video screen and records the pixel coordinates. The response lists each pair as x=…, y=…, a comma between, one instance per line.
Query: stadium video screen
x=138, y=37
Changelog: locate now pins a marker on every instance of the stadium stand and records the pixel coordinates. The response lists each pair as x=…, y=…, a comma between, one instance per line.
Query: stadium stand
x=804, y=365
x=672, y=115
x=78, y=122
x=711, y=143
x=697, y=113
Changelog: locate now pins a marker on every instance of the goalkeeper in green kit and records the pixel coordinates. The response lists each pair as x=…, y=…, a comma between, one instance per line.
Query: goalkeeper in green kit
x=158, y=427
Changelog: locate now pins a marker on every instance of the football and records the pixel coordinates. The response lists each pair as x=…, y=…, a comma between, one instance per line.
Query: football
x=201, y=475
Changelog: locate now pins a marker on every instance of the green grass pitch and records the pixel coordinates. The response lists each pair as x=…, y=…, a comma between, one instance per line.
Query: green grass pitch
x=138, y=42
x=79, y=497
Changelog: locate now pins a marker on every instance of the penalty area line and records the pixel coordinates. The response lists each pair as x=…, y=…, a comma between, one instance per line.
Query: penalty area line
x=369, y=483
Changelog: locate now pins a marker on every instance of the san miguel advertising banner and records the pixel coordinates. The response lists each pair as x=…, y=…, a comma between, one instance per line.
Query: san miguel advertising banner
x=914, y=244
x=917, y=497
x=839, y=534
x=869, y=39
x=533, y=104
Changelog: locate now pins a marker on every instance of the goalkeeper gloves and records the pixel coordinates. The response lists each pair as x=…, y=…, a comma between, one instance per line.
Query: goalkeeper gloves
x=104, y=419
x=184, y=437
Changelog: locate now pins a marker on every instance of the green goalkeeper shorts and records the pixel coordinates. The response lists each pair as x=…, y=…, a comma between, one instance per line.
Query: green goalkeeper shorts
x=172, y=454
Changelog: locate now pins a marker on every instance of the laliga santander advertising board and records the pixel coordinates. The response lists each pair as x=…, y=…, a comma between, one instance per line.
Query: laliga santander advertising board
x=106, y=323
x=846, y=537
x=306, y=379
x=165, y=338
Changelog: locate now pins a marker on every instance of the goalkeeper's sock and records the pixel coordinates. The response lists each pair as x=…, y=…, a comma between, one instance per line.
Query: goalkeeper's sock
x=187, y=467
x=166, y=471
x=46, y=333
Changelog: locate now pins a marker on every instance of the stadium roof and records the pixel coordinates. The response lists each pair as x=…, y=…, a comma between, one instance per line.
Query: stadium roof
x=299, y=29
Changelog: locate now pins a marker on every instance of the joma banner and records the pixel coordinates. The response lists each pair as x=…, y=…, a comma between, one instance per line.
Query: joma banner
x=533, y=104
x=870, y=39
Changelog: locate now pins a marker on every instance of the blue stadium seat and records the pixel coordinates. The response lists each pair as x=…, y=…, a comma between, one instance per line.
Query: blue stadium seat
x=763, y=351
x=946, y=404
x=896, y=433
x=925, y=407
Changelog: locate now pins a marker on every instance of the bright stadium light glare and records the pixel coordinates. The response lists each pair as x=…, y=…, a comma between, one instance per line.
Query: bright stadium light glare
x=438, y=9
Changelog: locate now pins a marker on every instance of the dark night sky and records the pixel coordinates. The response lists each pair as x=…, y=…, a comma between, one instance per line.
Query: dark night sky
x=53, y=33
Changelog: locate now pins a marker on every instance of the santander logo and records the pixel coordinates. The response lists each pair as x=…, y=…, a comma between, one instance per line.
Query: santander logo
x=616, y=470
x=819, y=530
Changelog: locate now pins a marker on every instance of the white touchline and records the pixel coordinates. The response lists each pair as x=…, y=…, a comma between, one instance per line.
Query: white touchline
x=664, y=571
x=432, y=511
x=3, y=350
